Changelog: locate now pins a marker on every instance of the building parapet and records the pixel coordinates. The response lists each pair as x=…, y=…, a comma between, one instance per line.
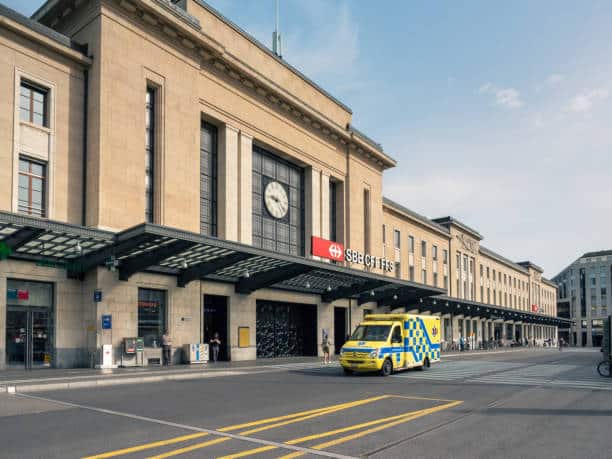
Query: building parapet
x=448, y=221
x=503, y=260
x=415, y=216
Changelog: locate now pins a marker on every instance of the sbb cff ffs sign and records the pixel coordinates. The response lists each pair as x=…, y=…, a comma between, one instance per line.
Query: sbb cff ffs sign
x=336, y=251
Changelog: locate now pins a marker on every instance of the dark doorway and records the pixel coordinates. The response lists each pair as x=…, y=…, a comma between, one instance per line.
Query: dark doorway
x=28, y=338
x=215, y=321
x=286, y=329
x=339, y=328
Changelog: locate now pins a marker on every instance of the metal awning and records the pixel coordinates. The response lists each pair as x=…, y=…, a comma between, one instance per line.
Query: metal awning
x=189, y=257
x=445, y=304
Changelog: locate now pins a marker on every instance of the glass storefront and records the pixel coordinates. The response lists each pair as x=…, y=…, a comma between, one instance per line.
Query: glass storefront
x=151, y=316
x=29, y=324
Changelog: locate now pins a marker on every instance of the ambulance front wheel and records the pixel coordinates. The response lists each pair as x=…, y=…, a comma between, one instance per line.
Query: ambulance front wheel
x=387, y=368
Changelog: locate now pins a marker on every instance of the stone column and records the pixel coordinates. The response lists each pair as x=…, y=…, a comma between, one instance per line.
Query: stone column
x=2, y=322
x=228, y=183
x=312, y=204
x=325, y=206
x=245, y=189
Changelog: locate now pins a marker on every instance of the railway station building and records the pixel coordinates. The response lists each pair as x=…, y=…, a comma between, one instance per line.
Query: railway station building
x=163, y=170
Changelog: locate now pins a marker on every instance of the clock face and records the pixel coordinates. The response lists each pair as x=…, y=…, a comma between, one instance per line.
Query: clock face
x=276, y=199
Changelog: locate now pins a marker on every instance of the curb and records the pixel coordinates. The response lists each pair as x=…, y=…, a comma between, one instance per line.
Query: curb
x=113, y=382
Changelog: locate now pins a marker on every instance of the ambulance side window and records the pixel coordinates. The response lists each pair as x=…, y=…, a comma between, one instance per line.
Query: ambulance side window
x=396, y=337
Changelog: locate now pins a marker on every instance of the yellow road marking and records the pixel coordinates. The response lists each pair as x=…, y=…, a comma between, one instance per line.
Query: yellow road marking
x=191, y=448
x=295, y=415
x=146, y=446
x=249, y=452
x=286, y=419
x=407, y=418
x=344, y=406
x=292, y=418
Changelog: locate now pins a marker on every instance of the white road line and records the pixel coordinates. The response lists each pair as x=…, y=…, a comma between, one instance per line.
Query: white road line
x=193, y=428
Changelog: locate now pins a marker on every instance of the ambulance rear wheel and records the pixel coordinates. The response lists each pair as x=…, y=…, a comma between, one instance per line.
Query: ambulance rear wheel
x=426, y=363
x=387, y=368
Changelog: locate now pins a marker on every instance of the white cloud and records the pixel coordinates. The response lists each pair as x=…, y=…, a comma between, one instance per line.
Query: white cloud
x=555, y=79
x=504, y=97
x=583, y=103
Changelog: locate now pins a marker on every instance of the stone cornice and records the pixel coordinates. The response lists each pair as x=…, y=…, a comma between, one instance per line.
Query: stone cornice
x=38, y=37
x=213, y=55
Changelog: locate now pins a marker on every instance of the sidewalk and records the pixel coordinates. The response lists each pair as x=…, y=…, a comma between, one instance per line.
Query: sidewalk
x=49, y=379
x=55, y=379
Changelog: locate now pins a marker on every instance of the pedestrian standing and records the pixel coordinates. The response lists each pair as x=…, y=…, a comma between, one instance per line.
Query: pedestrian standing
x=166, y=348
x=462, y=343
x=215, y=344
x=325, y=346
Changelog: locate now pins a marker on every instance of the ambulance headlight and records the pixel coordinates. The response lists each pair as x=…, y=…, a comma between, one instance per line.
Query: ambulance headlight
x=374, y=353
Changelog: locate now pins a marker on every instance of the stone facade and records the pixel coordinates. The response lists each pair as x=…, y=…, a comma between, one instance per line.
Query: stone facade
x=95, y=61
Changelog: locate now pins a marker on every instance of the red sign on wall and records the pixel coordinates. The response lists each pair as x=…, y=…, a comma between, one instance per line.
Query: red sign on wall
x=327, y=249
x=534, y=308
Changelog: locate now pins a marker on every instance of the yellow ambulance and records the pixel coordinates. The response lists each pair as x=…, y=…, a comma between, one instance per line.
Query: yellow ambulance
x=391, y=342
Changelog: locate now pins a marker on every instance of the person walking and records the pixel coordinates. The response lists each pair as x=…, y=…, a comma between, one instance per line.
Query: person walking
x=325, y=346
x=166, y=348
x=462, y=343
x=215, y=344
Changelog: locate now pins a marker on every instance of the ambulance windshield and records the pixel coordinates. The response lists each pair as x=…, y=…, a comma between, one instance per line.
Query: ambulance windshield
x=371, y=333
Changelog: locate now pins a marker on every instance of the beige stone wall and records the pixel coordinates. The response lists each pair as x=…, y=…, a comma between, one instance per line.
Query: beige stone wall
x=521, y=291
x=394, y=220
x=60, y=144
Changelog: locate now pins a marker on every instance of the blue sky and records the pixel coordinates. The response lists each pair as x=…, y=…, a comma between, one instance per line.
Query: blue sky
x=499, y=113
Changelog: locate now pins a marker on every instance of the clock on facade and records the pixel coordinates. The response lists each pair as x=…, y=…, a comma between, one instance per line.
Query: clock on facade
x=276, y=200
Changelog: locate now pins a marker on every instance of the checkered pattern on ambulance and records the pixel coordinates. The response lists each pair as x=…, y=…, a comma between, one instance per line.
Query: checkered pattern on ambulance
x=418, y=341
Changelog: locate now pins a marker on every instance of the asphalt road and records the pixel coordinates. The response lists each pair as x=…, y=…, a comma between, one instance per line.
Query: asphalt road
x=545, y=404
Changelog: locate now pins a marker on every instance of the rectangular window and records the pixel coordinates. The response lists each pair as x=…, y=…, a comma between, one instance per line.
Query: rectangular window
x=435, y=279
x=396, y=238
x=32, y=186
x=333, y=211
x=434, y=252
x=423, y=248
x=481, y=271
x=384, y=235
x=411, y=244
x=411, y=273
x=481, y=293
x=208, y=178
x=149, y=155
x=33, y=104
x=488, y=295
x=398, y=270
x=445, y=282
x=151, y=316
x=366, y=221
x=445, y=255
x=424, y=276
